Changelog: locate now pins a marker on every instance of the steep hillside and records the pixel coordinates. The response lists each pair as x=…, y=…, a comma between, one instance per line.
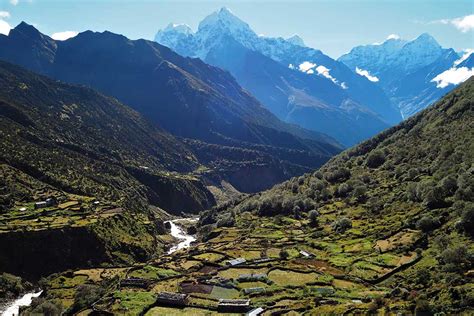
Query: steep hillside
x=185, y=96
x=383, y=228
x=391, y=220
x=82, y=142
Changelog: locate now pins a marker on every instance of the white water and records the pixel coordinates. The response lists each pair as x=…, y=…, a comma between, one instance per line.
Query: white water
x=179, y=233
x=13, y=309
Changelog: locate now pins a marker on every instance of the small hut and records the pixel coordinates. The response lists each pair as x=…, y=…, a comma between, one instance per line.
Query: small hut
x=172, y=299
x=237, y=261
x=233, y=305
x=134, y=282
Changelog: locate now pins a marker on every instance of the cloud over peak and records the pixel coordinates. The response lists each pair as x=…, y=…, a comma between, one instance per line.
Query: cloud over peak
x=393, y=36
x=365, y=73
x=464, y=23
x=62, y=36
x=453, y=76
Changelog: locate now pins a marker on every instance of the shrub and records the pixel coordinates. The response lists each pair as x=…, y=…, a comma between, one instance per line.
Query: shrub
x=341, y=225
x=427, y=223
x=226, y=221
x=433, y=197
x=85, y=295
x=466, y=222
x=284, y=254
x=375, y=159
x=359, y=193
x=449, y=184
x=313, y=218
x=412, y=192
x=455, y=258
x=343, y=190
x=43, y=307
x=337, y=175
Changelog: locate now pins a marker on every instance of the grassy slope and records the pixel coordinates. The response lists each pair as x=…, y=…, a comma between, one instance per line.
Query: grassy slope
x=404, y=246
x=78, y=140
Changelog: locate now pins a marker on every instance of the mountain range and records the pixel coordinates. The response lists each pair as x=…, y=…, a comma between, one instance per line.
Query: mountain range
x=351, y=98
x=199, y=103
x=299, y=84
x=406, y=70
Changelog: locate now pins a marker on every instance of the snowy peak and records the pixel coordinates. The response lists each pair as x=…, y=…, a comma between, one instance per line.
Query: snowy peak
x=224, y=20
x=395, y=54
x=426, y=39
x=296, y=40
x=178, y=28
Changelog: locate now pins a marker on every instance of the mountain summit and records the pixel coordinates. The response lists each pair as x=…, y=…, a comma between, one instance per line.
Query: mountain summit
x=405, y=69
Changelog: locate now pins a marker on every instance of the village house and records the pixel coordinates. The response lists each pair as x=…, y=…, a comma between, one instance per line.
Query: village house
x=252, y=277
x=134, y=282
x=306, y=254
x=237, y=261
x=233, y=305
x=47, y=203
x=255, y=312
x=253, y=290
x=172, y=299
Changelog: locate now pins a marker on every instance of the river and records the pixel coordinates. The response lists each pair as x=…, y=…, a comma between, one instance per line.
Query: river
x=13, y=309
x=179, y=233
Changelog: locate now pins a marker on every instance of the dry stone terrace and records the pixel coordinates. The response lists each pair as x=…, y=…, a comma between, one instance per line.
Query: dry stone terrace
x=55, y=211
x=340, y=277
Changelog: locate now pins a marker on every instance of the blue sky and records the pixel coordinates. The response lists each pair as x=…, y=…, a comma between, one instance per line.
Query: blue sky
x=333, y=26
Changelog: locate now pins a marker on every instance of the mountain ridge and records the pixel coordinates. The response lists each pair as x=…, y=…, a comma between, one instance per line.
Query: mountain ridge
x=222, y=26
x=184, y=96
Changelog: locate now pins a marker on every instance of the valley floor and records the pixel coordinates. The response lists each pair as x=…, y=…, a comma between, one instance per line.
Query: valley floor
x=281, y=266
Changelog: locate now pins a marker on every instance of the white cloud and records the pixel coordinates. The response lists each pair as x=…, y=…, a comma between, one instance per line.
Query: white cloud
x=453, y=76
x=4, y=14
x=467, y=53
x=464, y=23
x=306, y=66
x=62, y=36
x=291, y=66
x=323, y=71
x=393, y=36
x=14, y=2
x=365, y=73
x=310, y=69
x=4, y=27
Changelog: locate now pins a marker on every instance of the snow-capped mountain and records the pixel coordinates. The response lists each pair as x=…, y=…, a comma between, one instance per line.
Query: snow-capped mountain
x=406, y=70
x=288, y=77
x=394, y=57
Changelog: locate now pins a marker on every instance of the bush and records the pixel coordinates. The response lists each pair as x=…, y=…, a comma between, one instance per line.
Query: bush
x=43, y=307
x=359, y=193
x=284, y=254
x=455, y=258
x=427, y=223
x=85, y=295
x=449, y=184
x=341, y=225
x=337, y=175
x=313, y=218
x=466, y=222
x=343, y=190
x=375, y=159
x=226, y=220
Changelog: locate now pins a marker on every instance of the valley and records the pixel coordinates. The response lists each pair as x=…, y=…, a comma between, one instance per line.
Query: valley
x=352, y=237
x=216, y=170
